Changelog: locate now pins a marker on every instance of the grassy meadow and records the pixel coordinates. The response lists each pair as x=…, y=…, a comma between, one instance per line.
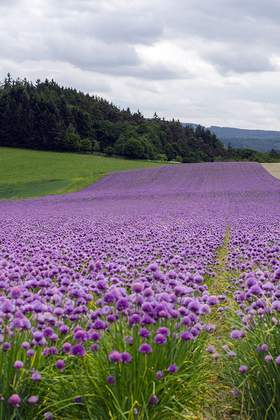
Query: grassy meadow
x=29, y=173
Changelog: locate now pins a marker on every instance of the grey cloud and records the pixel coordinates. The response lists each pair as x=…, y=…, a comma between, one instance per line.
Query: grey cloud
x=92, y=55
x=234, y=25
x=222, y=49
x=125, y=27
x=150, y=72
x=236, y=59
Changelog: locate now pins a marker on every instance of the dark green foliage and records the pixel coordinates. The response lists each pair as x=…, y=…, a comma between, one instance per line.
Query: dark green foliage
x=72, y=140
x=253, y=155
x=46, y=116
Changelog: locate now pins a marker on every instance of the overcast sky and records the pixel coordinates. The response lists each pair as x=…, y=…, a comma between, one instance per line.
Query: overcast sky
x=216, y=62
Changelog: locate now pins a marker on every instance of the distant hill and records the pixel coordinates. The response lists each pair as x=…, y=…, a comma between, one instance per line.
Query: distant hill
x=46, y=116
x=260, y=140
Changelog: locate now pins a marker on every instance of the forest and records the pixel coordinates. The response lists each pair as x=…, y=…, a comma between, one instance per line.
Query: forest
x=46, y=116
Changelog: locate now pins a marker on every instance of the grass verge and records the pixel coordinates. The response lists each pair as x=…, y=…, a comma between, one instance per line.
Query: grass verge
x=30, y=173
x=220, y=404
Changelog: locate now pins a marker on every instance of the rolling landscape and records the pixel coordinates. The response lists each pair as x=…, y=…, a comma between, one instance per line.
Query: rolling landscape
x=261, y=140
x=238, y=138
x=139, y=255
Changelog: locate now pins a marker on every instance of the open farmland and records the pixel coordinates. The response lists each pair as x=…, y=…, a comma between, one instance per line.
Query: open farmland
x=150, y=294
x=32, y=173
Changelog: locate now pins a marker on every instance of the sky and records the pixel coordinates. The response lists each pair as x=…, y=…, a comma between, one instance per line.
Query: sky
x=214, y=62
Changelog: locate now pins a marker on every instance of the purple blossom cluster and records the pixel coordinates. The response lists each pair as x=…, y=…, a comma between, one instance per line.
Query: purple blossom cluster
x=255, y=253
x=136, y=249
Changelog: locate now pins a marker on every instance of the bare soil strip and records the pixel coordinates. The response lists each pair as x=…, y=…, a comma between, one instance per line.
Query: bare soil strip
x=273, y=169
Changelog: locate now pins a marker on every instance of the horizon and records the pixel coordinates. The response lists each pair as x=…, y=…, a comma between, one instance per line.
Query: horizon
x=209, y=62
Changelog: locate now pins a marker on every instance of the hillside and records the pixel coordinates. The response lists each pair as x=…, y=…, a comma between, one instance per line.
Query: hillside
x=46, y=116
x=260, y=140
x=30, y=173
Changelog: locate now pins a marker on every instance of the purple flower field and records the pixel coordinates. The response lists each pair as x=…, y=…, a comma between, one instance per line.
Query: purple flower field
x=108, y=303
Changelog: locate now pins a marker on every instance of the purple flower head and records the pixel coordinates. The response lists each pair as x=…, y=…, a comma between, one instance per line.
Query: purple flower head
x=95, y=336
x=110, y=380
x=94, y=347
x=18, y=364
x=33, y=399
x=14, y=400
x=25, y=345
x=187, y=336
x=159, y=374
x=78, y=350
x=163, y=330
x=16, y=292
x=60, y=364
x=52, y=350
x=66, y=347
x=6, y=346
x=172, y=368
x=277, y=360
x=144, y=332
x=237, y=334
x=211, y=349
x=30, y=353
x=38, y=335
x=63, y=329
x=153, y=400
x=134, y=319
x=122, y=304
x=126, y=357
x=243, y=369
x=212, y=300
x=277, y=274
x=36, y=376
x=80, y=335
x=115, y=356
x=137, y=287
x=99, y=324
x=48, y=332
x=109, y=297
x=48, y=416
x=276, y=305
x=145, y=348
x=194, y=306
x=153, y=267
x=263, y=347
x=160, y=339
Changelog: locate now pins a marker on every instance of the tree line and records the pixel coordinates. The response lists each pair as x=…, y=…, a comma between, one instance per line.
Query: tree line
x=46, y=116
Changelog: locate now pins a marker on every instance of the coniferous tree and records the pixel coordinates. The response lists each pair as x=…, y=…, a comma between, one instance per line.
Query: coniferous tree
x=47, y=116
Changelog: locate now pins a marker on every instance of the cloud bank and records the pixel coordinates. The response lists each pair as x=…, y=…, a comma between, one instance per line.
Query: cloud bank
x=213, y=61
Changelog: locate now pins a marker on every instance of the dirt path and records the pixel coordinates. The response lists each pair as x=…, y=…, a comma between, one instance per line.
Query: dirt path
x=273, y=169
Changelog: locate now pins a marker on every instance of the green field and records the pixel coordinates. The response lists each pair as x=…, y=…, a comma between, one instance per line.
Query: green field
x=30, y=173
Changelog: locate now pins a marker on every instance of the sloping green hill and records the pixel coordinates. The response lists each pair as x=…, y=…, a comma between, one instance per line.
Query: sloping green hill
x=46, y=116
x=29, y=173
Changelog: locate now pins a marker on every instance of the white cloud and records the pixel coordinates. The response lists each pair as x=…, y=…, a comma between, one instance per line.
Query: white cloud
x=208, y=61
